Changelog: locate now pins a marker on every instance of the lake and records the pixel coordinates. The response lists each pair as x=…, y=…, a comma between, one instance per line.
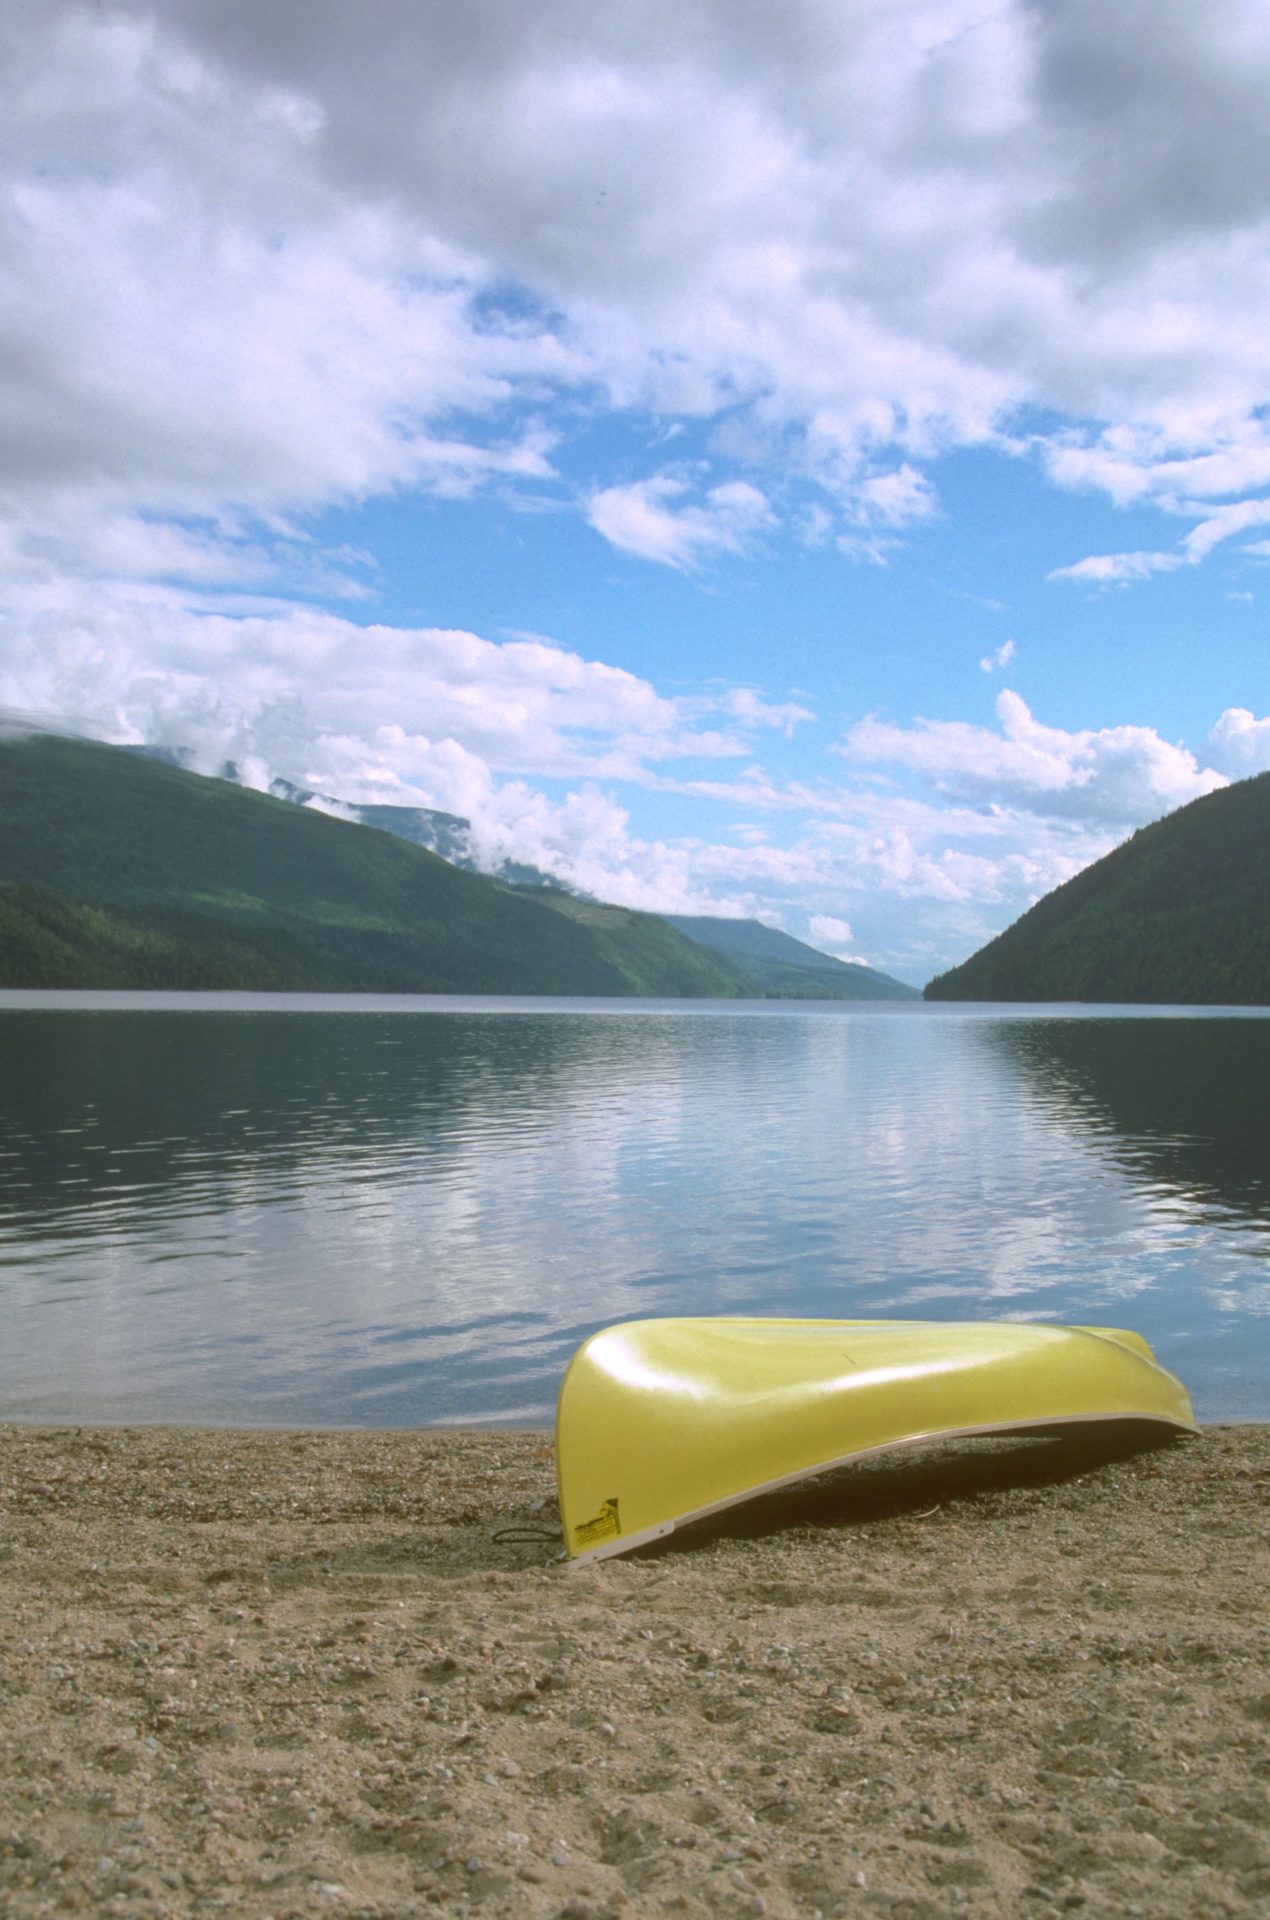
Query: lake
x=348, y=1211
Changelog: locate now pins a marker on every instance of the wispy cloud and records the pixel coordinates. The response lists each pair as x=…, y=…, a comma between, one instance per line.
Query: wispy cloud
x=993, y=662
x=1212, y=528
x=657, y=520
x=1118, y=569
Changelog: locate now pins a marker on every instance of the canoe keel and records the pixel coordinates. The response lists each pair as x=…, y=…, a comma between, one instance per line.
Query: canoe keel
x=664, y=1421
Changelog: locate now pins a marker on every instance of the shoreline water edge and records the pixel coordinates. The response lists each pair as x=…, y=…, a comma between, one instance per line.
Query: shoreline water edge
x=291, y=1672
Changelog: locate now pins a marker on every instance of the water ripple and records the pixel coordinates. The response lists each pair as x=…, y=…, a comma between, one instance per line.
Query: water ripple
x=388, y=1217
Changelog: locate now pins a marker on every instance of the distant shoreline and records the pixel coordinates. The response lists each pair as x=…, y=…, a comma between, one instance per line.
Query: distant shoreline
x=282, y=1000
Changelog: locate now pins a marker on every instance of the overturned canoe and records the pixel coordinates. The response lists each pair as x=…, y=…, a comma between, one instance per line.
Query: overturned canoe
x=662, y=1421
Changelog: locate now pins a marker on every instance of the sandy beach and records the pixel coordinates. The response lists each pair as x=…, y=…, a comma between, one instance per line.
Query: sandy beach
x=289, y=1674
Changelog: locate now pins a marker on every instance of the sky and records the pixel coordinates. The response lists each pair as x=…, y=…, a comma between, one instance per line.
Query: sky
x=809, y=461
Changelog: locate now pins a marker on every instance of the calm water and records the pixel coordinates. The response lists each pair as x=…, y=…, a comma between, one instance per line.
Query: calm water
x=396, y=1212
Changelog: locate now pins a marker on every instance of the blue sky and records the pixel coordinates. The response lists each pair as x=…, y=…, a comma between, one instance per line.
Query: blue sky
x=808, y=462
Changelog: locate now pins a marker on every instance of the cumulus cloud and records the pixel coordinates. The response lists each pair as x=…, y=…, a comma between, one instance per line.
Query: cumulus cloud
x=259, y=258
x=308, y=695
x=1112, y=776
x=926, y=881
x=1240, y=743
x=895, y=499
x=258, y=262
x=478, y=728
x=832, y=935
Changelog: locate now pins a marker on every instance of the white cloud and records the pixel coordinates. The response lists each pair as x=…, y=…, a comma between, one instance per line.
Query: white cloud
x=880, y=507
x=1001, y=658
x=1224, y=524
x=1117, y=569
x=870, y=872
x=648, y=519
x=926, y=882
x=334, y=809
x=1240, y=743
x=481, y=729
x=1110, y=776
x=832, y=936
x=899, y=498
x=308, y=695
x=258, y=259
x=753, y=710
x=1134, y=463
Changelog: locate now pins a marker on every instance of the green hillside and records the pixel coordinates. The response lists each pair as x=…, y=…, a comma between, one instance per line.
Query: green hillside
x=121, y=870
x=48, y=940
x=639, y=938
x=1180, y=913
x=779, y=966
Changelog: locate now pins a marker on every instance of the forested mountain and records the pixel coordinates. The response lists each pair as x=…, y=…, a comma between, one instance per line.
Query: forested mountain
x=118, y=870
x=780, y=966
x=448, y=834
x=1179, y=913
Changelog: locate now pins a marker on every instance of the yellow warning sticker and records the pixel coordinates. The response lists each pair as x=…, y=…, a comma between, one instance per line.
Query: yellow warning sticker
x=604, y=1526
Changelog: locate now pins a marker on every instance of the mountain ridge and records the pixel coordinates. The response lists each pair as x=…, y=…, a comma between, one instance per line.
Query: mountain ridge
x=114, y=862
x=121, y=868
x=774, y=963
x=1177, y=914
x=778, y=963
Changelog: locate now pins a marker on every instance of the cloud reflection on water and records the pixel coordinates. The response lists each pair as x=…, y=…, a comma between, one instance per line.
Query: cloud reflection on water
x=389, y=1218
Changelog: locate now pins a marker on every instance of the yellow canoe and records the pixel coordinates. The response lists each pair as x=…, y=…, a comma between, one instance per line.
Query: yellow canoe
x=663, y=1421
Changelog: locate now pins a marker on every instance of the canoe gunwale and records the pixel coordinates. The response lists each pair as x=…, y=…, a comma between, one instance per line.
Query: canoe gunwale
x=648, y=1536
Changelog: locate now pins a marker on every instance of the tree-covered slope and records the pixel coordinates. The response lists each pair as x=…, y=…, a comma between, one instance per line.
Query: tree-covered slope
x=48, y=940
x=779, y=965
x=639, y=938
x=145, y=874
x=1179, y=913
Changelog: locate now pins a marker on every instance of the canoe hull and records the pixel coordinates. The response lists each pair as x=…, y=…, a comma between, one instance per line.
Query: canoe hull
x=664, y=1421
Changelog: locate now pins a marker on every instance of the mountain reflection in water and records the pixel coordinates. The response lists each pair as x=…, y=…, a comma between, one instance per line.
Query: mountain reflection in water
x=399, y=1213
x=1182, y=1106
